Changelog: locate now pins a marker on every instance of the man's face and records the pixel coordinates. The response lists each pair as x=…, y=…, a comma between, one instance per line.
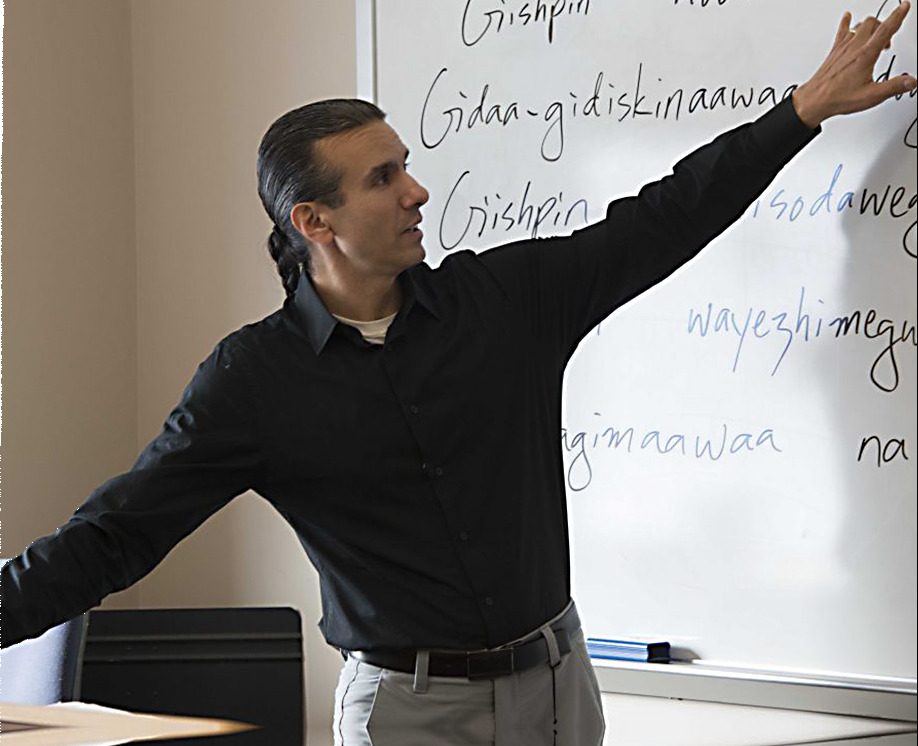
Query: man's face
x=375, y=227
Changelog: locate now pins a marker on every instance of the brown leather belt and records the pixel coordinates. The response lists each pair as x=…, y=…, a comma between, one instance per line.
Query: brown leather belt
x=480, y=664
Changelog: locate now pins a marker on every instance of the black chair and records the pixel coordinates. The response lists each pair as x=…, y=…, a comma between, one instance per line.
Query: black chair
x=243, y=664
x=46, y=669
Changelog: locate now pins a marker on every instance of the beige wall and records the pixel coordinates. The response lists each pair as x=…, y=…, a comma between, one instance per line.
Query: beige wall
x=69, y=320
x=209, y=77
x=154, y=250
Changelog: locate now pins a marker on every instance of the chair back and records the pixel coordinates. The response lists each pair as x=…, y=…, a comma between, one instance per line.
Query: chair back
x=46, y=669
x=242, y=664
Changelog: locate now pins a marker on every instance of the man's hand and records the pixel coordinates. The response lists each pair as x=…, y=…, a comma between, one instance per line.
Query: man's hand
x=844, y=82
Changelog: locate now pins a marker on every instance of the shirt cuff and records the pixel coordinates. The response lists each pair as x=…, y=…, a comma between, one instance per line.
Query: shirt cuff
x=780, y=130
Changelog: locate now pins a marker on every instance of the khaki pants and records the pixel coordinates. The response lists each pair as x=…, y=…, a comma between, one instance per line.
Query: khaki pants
x=538, y=707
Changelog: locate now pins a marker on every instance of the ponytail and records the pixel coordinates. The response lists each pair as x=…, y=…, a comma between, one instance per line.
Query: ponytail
x=290, y=260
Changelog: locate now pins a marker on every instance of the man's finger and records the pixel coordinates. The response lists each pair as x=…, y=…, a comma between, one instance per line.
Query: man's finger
x=865, y=30
x=882, y=38
x=888, y=88
x=844, y=27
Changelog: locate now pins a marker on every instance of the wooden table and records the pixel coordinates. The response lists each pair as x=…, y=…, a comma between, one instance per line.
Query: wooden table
x=80, y=724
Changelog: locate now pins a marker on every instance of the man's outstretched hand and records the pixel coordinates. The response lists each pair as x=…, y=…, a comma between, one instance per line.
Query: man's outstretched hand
x=844, y=82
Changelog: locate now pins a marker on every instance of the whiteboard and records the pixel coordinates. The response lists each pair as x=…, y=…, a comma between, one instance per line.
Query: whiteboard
x=740, y=441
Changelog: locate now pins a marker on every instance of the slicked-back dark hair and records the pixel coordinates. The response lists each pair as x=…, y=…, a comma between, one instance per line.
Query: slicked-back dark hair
x=290, y=171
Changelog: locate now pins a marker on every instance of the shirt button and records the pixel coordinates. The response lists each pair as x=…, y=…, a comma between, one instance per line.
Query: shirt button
x=488, y=601
x=424, y=468
x=414, y=409
x=464, y=535
x=438, y=471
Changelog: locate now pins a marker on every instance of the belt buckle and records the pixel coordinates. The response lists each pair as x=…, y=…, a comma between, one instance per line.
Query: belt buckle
x=490, y=664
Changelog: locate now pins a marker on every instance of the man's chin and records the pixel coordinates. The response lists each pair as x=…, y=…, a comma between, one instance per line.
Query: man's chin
x=409, y=260
x=420, y=254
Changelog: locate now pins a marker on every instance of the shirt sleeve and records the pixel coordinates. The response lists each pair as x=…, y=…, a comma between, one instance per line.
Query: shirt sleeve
x=205, y=455
x=566, y=285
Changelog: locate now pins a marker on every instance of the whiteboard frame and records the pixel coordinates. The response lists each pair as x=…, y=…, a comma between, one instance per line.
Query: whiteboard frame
x=365, y=27
x=907, y=739
x=894, y=699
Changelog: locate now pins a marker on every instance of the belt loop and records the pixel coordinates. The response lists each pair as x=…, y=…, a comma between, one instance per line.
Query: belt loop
x=554, y=654
x=421, y=665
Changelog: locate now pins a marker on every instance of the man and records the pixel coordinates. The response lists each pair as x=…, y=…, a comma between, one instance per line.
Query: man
x=404, y=420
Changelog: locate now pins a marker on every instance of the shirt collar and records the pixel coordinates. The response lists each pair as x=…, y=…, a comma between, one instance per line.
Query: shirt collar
x=416, y=287
x=319, y=323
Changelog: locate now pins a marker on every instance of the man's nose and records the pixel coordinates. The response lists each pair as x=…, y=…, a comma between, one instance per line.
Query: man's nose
x=415, y=195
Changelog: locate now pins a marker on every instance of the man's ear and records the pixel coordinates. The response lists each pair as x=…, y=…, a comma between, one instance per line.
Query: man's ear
x=309, y=221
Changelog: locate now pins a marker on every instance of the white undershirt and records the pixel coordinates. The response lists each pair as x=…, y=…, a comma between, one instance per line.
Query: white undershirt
x=374, y=331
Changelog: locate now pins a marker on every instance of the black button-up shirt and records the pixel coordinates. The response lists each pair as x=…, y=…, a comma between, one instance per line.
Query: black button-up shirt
x=423, y=476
